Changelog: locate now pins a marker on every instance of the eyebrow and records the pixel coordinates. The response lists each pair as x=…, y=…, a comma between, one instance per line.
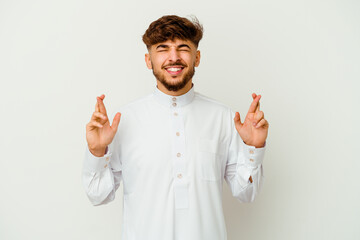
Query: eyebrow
x=167, y=46
x=162, y=46
x=184, y=45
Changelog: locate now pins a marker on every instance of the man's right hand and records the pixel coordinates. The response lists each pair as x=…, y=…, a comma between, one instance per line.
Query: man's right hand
x=99, y=133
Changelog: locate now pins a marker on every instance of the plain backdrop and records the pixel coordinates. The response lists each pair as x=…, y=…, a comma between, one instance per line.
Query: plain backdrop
x=303, y=57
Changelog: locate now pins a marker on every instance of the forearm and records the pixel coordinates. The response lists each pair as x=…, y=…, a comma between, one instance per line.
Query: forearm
x=245, y=174
x=99, y=181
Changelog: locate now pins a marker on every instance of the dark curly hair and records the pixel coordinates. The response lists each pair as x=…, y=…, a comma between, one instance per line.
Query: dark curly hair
x=170, y=27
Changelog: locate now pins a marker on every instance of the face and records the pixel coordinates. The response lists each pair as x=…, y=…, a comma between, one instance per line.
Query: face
x=173, y=62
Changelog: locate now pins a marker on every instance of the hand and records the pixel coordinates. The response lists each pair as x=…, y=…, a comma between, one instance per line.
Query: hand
x=99, y=133
x=254, y=129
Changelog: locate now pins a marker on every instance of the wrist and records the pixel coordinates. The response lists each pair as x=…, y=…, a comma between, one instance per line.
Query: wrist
x=255, y=145
x=98, y=152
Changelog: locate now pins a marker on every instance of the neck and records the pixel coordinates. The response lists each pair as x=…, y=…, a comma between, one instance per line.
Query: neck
x=181, y=91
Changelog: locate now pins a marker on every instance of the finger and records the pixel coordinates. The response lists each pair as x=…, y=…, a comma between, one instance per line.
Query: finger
x=258, y=116
x=99, y=116
x=116, y=121
x=237, y=120
x=254, y=104
x=262, y=123
x=257, y=107
x=94, y=124
x=102, y=108
x=97, y=106
x=97, y=109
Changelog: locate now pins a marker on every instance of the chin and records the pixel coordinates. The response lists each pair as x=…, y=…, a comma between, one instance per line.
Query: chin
x=174, y=83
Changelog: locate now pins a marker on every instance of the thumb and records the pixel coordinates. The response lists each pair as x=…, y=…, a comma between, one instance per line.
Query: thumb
x=116, y=121
x=237, y=121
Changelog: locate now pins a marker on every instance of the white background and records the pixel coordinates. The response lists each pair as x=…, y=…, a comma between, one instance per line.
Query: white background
x=301, y=56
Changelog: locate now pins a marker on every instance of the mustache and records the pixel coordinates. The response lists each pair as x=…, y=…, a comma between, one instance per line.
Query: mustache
x=177, y=63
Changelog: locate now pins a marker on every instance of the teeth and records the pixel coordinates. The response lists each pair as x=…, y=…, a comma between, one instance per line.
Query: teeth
x=174, y=69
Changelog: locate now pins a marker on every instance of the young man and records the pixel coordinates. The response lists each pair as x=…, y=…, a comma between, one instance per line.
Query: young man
x=173, y=148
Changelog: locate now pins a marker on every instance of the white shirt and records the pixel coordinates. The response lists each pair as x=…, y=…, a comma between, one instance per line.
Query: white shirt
x=172, y=155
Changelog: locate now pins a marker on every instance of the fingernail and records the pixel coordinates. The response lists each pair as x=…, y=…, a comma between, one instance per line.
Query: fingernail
x=254, y=123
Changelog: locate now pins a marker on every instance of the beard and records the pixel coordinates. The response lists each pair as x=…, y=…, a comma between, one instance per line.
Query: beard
x=175, y=86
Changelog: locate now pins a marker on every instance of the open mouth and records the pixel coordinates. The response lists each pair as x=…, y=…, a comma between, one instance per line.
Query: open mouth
x=174, y=70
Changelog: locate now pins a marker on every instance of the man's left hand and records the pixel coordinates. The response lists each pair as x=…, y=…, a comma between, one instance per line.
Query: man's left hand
x=254, y=129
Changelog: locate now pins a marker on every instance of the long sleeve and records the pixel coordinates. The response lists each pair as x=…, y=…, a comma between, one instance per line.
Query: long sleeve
x=244, y=161
x=101, y=176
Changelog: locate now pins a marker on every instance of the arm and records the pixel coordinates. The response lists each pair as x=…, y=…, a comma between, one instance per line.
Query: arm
x=102, y=166
x=101, y=176
x=244, y=171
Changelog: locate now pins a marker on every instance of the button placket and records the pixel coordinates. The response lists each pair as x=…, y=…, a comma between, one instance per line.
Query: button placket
x=179, y=159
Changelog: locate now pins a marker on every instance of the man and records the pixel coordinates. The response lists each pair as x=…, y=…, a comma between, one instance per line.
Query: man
x=173, y=148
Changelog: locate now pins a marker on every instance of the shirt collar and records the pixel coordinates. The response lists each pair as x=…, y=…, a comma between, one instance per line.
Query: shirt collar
x=174, y=101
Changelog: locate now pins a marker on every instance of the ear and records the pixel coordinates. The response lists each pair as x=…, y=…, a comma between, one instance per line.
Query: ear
x=148, y=61
x=197, y=58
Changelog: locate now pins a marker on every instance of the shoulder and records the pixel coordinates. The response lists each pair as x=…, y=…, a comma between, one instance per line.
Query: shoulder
x=213, y=103
x=135, y=104
x=131, y=107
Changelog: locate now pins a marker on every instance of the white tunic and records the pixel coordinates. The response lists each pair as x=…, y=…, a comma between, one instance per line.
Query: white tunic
x=172, y=155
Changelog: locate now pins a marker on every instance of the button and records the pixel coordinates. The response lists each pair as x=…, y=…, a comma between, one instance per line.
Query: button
x=178, y=154
x=251, y=160
x=107, y=158
x=251, y=151
x=105, y=165
x=177, y=134
x=174, y=104
x=175, y=113
x=174, y=99
x=179, y=175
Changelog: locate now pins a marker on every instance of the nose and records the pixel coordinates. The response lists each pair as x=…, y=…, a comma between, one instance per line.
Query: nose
x=174, y=55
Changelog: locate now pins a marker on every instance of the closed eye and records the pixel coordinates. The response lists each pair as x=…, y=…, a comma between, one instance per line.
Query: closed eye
x=162, y=48
x=184, y=47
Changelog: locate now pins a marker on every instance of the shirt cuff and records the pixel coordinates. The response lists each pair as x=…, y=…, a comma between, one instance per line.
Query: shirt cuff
x=253, y=156
x=96, y=164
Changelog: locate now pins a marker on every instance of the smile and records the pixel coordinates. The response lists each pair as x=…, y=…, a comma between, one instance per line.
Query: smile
x=174, y=70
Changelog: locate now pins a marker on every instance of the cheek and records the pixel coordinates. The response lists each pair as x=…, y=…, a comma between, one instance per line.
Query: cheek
x=158, y=62
x=187, y=59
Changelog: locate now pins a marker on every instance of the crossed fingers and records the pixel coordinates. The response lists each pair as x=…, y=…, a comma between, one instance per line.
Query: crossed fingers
x=258, y=116
x=99, y=106
x=255, y=105
x=99, y=117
